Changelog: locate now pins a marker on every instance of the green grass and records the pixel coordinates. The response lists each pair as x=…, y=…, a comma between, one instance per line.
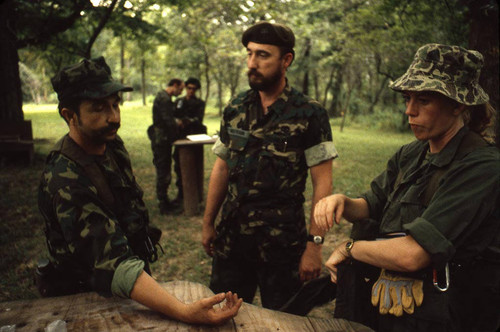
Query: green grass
x=363, y=154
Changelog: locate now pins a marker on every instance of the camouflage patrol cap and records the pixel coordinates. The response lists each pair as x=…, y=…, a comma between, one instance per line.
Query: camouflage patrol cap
x=269, y=33
x=450, y=70
x=88, y=79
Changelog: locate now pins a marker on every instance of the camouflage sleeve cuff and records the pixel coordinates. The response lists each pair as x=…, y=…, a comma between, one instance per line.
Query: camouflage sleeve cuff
x=220, y=149
x=125, y=276
x=429, y=238
x=320, y=152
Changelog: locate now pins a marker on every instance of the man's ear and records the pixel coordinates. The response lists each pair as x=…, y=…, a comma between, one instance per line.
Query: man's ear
x=287, y=60
x=67, y=114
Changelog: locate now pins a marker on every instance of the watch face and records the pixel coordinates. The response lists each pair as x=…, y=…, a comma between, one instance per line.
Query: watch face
x=318, y=239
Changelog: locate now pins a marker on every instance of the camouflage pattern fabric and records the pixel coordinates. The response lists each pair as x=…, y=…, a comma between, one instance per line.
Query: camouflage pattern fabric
x=88, y=79
x=85, y=235
x=163, y=133
x=450, y=70
x=268, y=171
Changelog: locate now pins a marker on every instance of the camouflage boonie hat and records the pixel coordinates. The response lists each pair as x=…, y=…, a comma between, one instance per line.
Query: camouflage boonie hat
x=88, y=79
x=450, y=70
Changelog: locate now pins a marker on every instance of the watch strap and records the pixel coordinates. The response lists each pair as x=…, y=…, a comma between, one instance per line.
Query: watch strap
x=348, y=247
x=317, y=239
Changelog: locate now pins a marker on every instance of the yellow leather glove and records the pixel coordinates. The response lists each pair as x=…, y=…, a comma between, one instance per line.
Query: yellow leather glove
x=395, y=293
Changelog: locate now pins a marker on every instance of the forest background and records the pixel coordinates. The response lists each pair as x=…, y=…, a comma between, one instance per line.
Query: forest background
x=347, y=52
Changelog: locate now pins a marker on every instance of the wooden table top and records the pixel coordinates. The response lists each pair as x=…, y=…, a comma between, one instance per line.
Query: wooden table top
x=92, y=312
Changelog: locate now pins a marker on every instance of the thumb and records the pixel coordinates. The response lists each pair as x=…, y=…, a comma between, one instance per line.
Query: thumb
x=213, y=300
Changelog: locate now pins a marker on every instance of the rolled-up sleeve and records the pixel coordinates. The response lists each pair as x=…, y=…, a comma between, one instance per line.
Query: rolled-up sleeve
x=126, y=275
x=467, y=195
x=220, y=150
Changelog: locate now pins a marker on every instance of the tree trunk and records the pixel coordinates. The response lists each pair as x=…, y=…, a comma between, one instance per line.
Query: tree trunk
x=207, y=74
x=316, y=86
x=346, y=108
x=328, y=86
x=99, y=28
x=143, y=79
x=483, y=37
x=220, y=102
x=11, y=102
x=381, y=88
x=305, y=82
x=335, y=104
x=122, y=63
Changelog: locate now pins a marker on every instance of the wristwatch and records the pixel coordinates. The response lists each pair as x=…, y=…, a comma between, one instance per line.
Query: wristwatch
x=348, y=247
x=316, y=239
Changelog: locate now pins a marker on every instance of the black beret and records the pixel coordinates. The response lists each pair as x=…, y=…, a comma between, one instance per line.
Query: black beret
x=269, y=33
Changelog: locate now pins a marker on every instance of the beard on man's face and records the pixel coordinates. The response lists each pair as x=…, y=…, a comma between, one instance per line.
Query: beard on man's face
x=259, y=82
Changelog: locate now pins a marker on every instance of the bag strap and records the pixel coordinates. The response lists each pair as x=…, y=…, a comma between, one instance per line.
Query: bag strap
x=70, y=149
x=470, y=142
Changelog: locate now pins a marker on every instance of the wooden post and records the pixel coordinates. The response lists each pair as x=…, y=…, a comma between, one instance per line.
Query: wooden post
x=188, y=157
x=192, y=171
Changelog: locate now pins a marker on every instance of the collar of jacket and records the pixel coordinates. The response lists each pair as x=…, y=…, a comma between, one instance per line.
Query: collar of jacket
x=278, y=105
x=447, y=154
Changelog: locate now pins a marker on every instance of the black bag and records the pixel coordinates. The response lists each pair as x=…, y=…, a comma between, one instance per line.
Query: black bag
x=313, y=293
x=52, y=280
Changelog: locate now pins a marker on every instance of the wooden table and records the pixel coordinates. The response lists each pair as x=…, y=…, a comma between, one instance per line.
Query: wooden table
x=192, y=171
x=92, y=312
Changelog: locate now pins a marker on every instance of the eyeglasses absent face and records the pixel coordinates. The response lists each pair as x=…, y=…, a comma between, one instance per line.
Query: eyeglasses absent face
x=191, y=87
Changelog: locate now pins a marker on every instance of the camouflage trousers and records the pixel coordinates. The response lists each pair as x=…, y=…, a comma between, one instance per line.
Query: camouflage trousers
x=162, y=159
x=243, y=271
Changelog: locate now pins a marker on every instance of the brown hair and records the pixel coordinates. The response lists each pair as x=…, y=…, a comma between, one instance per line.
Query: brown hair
x=481, y=119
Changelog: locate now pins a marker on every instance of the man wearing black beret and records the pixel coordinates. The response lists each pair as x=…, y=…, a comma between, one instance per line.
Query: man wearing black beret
x=269, y=136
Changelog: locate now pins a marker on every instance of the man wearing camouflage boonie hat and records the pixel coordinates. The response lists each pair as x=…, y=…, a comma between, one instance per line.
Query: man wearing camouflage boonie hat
x=270, y=136
x=97, y=224
x=435, y=207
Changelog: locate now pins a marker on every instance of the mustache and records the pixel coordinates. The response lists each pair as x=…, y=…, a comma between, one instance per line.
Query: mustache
x=110, y=127
x=254, y=72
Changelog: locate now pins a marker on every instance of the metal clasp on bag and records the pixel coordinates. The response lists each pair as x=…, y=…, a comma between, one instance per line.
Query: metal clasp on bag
x=435, y=279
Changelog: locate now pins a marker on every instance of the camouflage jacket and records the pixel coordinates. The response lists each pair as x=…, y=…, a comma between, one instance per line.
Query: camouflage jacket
x=85, y=234
x=164, y=128
x=268, y=157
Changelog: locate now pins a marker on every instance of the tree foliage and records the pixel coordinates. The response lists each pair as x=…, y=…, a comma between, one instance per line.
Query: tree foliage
x=347, y=51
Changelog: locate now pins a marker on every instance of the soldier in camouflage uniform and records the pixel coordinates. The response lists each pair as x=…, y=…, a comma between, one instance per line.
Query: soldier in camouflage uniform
x=97, y=225
x=189, y=110
x=269, y=136
x=162, y=133
x=435, y=207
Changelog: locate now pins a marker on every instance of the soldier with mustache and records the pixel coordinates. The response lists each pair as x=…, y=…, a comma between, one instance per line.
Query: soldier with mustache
x=97, y=225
